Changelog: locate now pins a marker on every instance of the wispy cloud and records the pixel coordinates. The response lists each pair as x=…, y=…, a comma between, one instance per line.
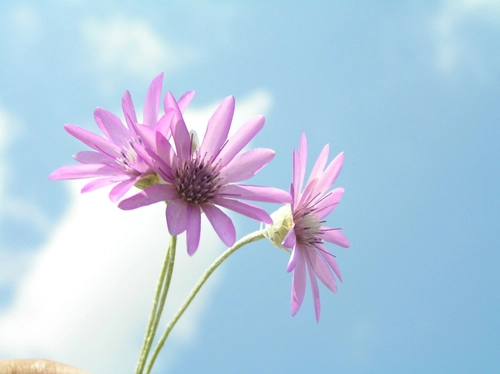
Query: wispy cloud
x=86, y=295
x=25, y=22
x=452, y=27
x=132, y=46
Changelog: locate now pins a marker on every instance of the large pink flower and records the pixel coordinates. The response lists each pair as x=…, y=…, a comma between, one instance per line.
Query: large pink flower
x=307, y=234
x=200, y=179
x=114, y=159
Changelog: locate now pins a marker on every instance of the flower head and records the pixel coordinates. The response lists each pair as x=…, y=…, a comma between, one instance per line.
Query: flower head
x=202, y=178
x=115, y=158
x=302, y=230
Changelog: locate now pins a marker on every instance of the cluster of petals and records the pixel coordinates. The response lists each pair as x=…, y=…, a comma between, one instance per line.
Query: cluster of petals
x=201, y=179
x=307, y=235
x=114, y=159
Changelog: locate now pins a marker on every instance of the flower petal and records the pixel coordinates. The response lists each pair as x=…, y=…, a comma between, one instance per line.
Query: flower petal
x=330, y=259
x=321, y=269
x=222, y=224
x=320, y=163
x=128, y=109
x=176, y=216
x=122, y=188
x=298, y=282
x=255, y=193
x=152, y=102
x=246, y=165
x=217, y=129
x=248, y=210
x=331, y=173
x=102, y=182
x=185, y=99
x=94, y=141
x=334, y=236
x=290, y=241
x=92, y=157
x=328, y=204
x=292, y=262
x=193, y=229
x=84, y=171
x=240, y=139
x=112, y=127
x=315, y=291
x=151, y=195
x=180, y=133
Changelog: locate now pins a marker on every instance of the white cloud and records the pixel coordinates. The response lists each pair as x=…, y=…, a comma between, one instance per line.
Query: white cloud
x=86, y=294
x=8, y=126
x=132, y=46
x=454, y=47
x=25, y=21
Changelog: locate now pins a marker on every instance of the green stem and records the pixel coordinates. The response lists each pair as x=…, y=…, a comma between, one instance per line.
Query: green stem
x=158, y=303
x=257, y=235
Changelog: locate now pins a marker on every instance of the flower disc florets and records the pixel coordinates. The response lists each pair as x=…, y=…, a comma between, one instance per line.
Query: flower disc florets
x=308, y=227
x=197, y=182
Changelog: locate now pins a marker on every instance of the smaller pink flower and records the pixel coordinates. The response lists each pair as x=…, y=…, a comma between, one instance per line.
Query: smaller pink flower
x=198, y=180
x=300, y=226
x=114, y=159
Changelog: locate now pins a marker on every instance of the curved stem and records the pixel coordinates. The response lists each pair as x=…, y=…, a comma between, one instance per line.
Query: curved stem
x=158, y=303
x=257, y=235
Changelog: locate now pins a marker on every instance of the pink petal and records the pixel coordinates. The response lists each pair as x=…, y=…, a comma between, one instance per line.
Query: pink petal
x=328, y=204
x=92, y=157
x=255, y=193
x=246, y=165
x=290, y=241
x=103, y=182
x=151, y=195
x=248, y=210
x=292, y=262
x=221, y=223
x=93, y=141
x=334, y=236
x=180, y=133
x=185, y=99
x=128, y=109
x=321, y=269
x=84, y=171
x=121, y=189
x=193, y=228
x=298, y=283
x=163, y=125
x=112, y=127
x=330, y=174
x=176, y=216
x=315, y=291
x=218, y=128
x=240, y=139
x=330, y=259
x=320, y=163
x=152, y=102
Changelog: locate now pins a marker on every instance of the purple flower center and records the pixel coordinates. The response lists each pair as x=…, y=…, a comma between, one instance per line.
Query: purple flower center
x=196, y=181
x=307, y=227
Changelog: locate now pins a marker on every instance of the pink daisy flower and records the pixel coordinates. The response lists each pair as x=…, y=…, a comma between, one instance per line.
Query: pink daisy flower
x=306, y=235
x=201, y=179
x=114, y=159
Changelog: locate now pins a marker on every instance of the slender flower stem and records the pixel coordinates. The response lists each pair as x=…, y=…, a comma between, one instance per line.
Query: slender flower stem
x=158, y=303
x=257, y=235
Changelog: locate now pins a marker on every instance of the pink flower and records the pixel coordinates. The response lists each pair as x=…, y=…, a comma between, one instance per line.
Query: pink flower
x=114, y=159
x=307, y=234
x=197, y=180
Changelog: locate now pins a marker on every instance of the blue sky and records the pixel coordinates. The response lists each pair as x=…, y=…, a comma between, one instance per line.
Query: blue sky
x=409, y=91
